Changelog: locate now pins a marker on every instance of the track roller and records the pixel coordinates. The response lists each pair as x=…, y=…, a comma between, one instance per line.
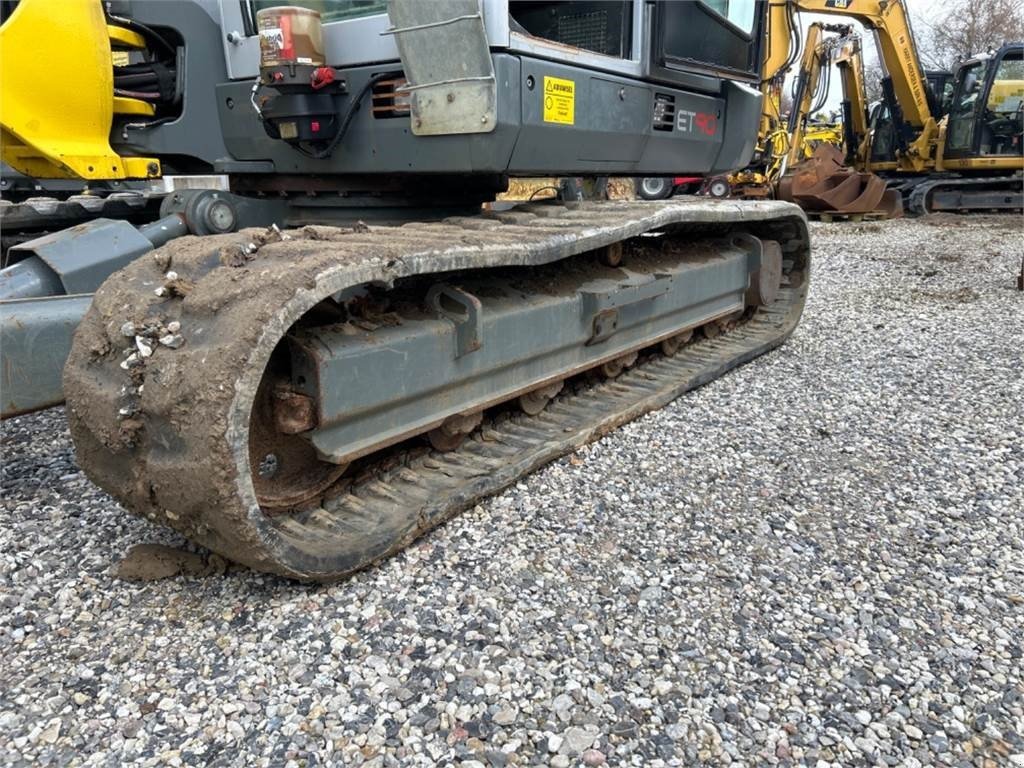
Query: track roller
x=614, y=368
x=453, y=431
x=535, y=401
x=671, y=346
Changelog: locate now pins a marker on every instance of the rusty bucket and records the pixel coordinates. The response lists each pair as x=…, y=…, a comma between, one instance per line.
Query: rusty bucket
x=822, y=183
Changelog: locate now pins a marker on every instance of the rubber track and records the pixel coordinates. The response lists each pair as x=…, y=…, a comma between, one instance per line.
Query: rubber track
x=46, y=213
x=442, y=484
x=184, y=461
x=919, y=194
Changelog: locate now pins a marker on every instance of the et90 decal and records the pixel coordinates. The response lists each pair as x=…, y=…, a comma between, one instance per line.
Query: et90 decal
x=696, y=122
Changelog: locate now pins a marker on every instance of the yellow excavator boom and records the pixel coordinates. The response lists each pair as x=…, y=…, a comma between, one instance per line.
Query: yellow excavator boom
x=56, y=117
x=891, y=23
x=849, y=60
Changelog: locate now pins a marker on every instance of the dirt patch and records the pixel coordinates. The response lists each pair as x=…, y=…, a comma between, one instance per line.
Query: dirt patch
x=955, y=296
x=150, y=562
x=1010, y=222
x=943, y=220
x=862, y=228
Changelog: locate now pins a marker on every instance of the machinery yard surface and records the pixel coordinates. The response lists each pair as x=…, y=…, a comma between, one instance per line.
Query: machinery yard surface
x=816, y=559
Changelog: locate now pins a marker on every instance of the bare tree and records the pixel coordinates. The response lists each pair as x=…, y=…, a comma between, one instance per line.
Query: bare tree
x=873, y=74
x=786, y=103
x=966, y=28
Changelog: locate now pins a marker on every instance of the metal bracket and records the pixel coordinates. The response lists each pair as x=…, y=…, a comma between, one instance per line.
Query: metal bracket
x=751, y=245
x=764, y=266
x=605, y=324
x=447, y=94
x=624, y=294
x=603, y=303
x=464, y=310
x=432, y=24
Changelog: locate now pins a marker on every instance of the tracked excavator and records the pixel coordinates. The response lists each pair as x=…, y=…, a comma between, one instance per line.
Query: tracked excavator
x=818, y=179
x=969, y=159
x=306, y=371
x=785, y=141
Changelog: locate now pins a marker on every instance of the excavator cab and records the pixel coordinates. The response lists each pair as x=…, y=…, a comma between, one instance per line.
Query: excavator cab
x=941, y=84
x=986, y=118
x=883, y=134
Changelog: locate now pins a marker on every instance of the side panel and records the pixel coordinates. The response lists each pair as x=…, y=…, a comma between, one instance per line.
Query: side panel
x=379, y=145
x=611, y=130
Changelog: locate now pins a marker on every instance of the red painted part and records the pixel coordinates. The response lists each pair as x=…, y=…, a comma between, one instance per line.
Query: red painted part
x=677, y=180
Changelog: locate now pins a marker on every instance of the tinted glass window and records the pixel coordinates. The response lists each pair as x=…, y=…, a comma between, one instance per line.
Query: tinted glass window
x=1002, y=129
x=721, y=36
x=960, y=131
x=738, y=12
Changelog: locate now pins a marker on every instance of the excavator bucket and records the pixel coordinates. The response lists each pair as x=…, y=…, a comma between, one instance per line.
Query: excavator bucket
x=822, y=183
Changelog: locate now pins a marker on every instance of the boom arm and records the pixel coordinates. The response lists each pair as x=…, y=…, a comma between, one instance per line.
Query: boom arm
x=816, y=58
x=889, y=21
x=850, y=64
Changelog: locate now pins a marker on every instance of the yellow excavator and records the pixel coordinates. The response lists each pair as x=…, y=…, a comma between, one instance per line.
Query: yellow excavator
x=814, y=175
x=793, y=147
x=969, y=159
x=785, y=139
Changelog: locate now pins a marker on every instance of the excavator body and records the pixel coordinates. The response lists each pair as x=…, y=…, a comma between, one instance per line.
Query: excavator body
x=334, y=347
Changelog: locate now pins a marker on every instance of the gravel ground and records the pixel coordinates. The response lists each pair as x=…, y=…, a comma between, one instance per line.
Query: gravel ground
x=818, y=559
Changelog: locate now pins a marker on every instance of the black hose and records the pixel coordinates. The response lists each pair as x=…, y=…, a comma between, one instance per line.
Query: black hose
x=148, y=96
x=145, y=31
x=795, y=38
x=824, y=83
x=349, y=117
x=796, y=35
x=142, y=77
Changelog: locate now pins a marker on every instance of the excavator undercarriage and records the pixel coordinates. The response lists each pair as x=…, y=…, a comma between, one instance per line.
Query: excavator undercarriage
x=268, y=394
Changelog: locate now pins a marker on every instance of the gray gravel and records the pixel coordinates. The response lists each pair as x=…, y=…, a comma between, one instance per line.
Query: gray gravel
x=816, y=560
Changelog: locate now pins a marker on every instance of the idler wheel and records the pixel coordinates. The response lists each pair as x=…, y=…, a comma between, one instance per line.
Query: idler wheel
x=286, y=471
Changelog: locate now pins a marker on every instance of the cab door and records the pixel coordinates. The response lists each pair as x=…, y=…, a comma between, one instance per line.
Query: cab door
x=986, y=117
x=963, y=111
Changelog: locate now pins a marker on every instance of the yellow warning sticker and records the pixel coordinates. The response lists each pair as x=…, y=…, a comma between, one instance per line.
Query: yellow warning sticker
x=559, y=101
